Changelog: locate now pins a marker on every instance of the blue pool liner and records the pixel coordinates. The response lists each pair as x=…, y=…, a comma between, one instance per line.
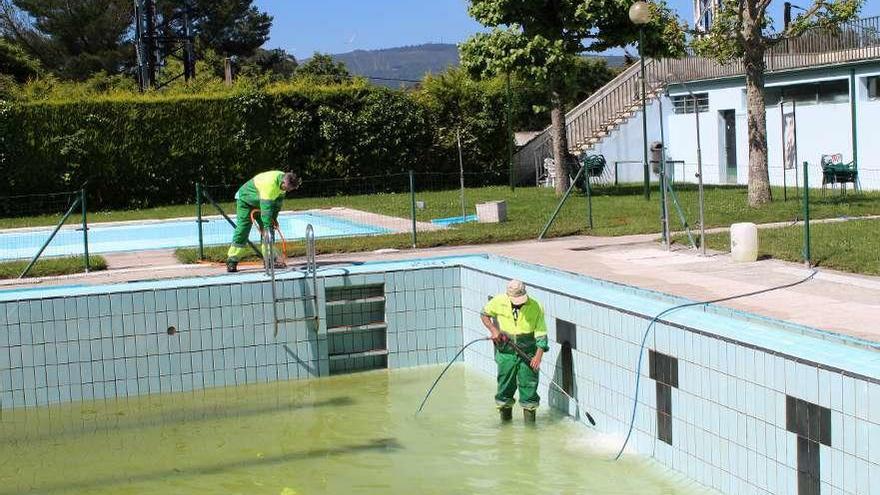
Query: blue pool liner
x=454, y=220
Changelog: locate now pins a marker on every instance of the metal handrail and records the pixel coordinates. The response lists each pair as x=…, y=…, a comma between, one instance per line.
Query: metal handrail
x=311, y=264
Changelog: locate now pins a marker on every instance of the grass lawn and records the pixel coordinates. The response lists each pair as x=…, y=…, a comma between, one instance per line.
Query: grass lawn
x=616, y=211
x=51, y=266
x=852, y=246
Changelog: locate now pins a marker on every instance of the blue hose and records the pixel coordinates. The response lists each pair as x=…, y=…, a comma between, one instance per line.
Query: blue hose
x=632, y=420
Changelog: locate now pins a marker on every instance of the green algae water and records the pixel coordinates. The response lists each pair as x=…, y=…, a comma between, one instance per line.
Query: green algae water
x=353, y=434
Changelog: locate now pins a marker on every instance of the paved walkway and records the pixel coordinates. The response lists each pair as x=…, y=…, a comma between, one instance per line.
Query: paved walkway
x=844, y=303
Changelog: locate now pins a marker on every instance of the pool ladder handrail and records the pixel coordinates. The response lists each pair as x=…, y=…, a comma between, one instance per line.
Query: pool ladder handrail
x=311, y=271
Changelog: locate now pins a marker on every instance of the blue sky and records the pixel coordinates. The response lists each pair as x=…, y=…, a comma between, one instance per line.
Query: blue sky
x=335, y=26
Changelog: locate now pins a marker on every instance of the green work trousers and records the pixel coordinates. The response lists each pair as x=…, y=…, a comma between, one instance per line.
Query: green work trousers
x=243, y=225
x=515, y=372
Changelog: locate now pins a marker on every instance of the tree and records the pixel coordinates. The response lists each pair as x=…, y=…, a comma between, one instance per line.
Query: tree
x=16, y=63
x=229, y=27
x=324, y=67
x=74, y=38
x=540, y=40
x=742, y=30
x=276, y=64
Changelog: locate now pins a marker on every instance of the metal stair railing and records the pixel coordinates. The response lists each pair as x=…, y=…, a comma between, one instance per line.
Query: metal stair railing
x=311, y=272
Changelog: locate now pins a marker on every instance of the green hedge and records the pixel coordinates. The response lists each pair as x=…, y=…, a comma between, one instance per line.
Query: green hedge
x=139, y=151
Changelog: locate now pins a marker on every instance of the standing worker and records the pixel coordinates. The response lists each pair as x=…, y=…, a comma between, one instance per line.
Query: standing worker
x=265, y=192
x=520, y=323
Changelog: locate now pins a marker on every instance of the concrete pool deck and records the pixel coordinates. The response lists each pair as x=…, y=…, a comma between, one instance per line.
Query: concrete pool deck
x=834, y=301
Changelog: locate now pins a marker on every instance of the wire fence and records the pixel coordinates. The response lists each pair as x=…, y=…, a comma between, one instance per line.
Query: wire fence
x=25, y=237
x=404, y=210
x=371, y=208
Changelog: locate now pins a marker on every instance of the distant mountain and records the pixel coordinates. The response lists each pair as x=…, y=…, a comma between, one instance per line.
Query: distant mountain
x=411, y=63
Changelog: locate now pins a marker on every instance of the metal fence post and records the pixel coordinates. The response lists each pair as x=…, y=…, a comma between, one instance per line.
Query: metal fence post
x=806, y=214
x=199, y=220
x=589, y=201
x=85, y=227
x=412, y=200
x=51, y=236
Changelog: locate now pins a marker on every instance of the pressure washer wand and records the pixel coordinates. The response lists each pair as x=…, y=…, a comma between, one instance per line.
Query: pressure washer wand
x=521, y=353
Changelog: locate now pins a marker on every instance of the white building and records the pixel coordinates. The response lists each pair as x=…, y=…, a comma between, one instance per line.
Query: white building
x=704, y=13
x=834, y=85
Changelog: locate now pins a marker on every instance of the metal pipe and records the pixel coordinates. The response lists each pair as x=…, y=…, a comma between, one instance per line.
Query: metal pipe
x=311, y=264
x=644, y=114
x=510, y=135
x=269, y=261
x=412, y=200
x=85, y=228
x=51, y=236
x=461, y=172
x=589, y=201
x=664, y=184
x=853, y=120
x=561, y=202
x=199, y=221
x=700, y=180
x=807, y=215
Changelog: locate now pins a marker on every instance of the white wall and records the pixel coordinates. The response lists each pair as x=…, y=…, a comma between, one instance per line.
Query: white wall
x=625, y=144
x=821, y=129
x=868, y=116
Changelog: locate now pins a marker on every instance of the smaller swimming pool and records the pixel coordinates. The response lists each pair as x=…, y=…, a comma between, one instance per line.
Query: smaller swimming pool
x=166, y=234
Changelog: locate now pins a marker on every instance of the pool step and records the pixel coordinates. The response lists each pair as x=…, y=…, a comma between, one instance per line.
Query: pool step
x=363, y=354
x=362, y=300
x=356, y=328
x=380, y=325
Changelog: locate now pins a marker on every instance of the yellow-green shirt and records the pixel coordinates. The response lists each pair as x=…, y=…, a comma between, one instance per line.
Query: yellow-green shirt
x=528, y=320
x=264, y=192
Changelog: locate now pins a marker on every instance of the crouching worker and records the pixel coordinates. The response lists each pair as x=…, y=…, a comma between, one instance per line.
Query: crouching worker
x=265, y=193
x=520, y=323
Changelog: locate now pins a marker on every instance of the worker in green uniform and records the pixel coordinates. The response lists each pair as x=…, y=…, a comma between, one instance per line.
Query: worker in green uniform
x=515, y=319
x=265, y=192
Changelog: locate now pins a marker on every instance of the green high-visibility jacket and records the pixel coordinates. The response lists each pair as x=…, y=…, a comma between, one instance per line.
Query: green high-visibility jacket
x=263, y=193
x=529, y=319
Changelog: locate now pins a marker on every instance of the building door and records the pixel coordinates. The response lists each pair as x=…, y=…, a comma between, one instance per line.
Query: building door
x=728, y=122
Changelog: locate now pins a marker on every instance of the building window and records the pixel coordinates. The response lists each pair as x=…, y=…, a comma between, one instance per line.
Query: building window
x=873, y=87
x=836, y=91
x=685, y=103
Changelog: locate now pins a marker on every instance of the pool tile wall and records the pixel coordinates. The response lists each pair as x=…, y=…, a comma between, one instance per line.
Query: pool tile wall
x=753, y=405
x=161, y=339
x=775, y=412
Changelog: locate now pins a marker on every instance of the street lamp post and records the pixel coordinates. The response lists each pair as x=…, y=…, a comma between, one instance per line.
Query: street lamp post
x=640, y=14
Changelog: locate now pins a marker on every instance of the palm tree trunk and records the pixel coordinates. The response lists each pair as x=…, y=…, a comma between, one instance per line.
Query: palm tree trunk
x=560, y=143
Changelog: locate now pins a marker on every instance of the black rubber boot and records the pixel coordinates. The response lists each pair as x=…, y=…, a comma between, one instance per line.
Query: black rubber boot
x=506, y=413
x=231, y=266
x=529, y=415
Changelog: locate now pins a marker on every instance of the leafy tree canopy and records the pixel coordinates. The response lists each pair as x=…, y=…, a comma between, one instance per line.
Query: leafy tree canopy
x=542, y=41
x=74, y=38
x=324, y=67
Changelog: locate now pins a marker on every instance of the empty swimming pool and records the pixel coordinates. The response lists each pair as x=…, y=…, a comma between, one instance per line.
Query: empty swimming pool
x=735, y=402
x=136, y=236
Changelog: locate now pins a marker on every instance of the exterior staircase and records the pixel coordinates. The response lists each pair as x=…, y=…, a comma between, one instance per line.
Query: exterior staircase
x=617, y=102
x=596, y=117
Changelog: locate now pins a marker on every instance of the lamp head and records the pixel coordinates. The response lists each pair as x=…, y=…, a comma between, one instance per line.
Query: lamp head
x=640, y=13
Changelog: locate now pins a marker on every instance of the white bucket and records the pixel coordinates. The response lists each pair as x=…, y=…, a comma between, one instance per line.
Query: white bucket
x=744, y=242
